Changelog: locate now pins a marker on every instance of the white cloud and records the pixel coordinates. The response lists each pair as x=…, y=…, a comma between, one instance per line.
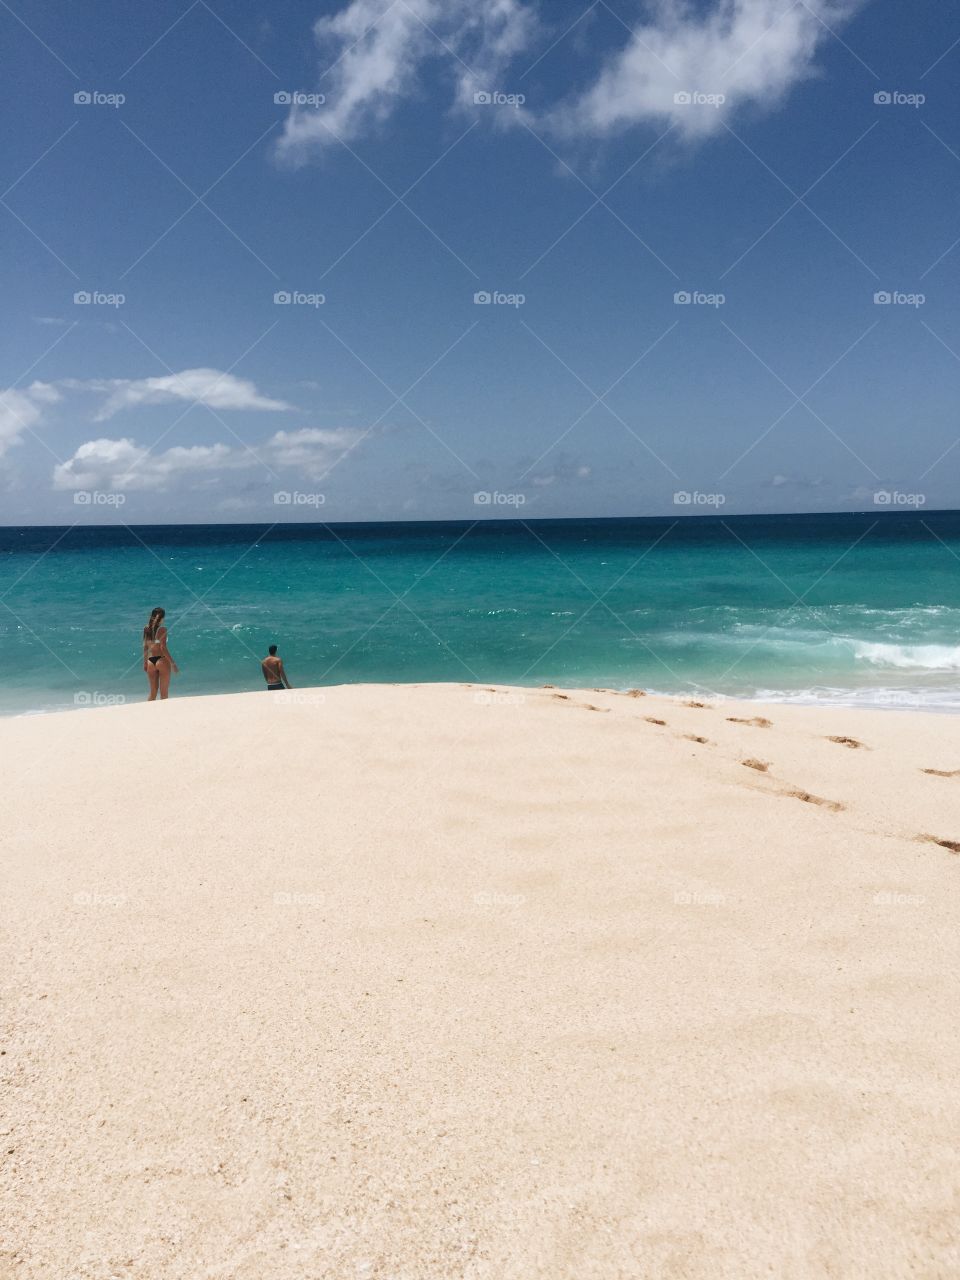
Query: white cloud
x=745, y=51
x=565, y=470
x=120, y=465
x=201, y=386
x=748, y=51
x=22, y=410
x=311, y=450
x=375, y=50
x=780, y=481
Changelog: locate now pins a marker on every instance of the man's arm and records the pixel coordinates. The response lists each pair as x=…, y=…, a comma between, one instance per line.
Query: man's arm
x=283, y=676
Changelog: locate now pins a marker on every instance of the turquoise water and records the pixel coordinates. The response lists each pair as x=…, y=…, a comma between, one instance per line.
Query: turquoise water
x=851, y=608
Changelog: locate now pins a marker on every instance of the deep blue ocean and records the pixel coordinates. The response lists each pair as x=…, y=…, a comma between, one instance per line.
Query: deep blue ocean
x=858, y=608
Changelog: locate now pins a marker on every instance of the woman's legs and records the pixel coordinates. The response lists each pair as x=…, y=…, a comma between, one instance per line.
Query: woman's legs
x=165, y=674
x=153, y=677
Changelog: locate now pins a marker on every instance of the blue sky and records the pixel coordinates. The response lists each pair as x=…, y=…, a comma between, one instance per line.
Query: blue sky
x=581, y=191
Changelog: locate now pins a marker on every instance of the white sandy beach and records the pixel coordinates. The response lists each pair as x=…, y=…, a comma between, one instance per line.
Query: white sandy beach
x=409, y=983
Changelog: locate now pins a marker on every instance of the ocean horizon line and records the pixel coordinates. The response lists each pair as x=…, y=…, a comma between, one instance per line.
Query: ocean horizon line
x=712, y=517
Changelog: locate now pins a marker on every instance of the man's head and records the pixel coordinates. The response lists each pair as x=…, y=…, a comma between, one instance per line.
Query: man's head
x=272, y=651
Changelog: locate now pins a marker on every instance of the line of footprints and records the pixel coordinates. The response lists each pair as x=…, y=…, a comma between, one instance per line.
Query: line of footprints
x=763, y=766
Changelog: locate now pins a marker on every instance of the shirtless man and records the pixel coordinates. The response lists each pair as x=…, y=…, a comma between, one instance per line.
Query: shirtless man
x=273, y=672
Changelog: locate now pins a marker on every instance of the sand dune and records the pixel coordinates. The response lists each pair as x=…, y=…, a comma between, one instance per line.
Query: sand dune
x=454, y=981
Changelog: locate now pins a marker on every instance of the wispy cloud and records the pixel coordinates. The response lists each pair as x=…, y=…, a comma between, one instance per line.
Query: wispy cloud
x=691, y=65
x=373, y=52
x=780, y=481
x=123, y=465
x=692, y=68
x=200, y=386
x=566, y=470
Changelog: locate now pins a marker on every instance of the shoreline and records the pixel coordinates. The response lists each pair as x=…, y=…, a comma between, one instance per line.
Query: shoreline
x=786, y=699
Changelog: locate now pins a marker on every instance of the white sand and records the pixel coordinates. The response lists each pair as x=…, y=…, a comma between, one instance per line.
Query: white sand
x=415, y=983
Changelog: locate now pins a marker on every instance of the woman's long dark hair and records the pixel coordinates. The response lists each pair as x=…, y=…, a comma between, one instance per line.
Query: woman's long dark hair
x=153, y=626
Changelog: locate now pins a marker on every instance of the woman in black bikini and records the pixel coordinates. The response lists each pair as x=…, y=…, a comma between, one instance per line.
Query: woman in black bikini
x=158, y=662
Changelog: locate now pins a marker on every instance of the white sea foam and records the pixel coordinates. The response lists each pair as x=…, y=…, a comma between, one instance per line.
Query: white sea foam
x=908, y=657
x=880, y=699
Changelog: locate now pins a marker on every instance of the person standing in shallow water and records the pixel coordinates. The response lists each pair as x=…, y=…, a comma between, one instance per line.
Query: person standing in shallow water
x=273, y=672
x=158, y=662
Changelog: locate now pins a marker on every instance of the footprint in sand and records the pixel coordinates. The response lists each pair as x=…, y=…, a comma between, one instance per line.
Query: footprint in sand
x=833, y=805
x=847, y=742
x=703, y=705
x=584, y=706
x=759, y=722
x=942, y=773
x=694, y=737
x=653, y=720
x=761, y=766
x=952, y=845
x=636, y=693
